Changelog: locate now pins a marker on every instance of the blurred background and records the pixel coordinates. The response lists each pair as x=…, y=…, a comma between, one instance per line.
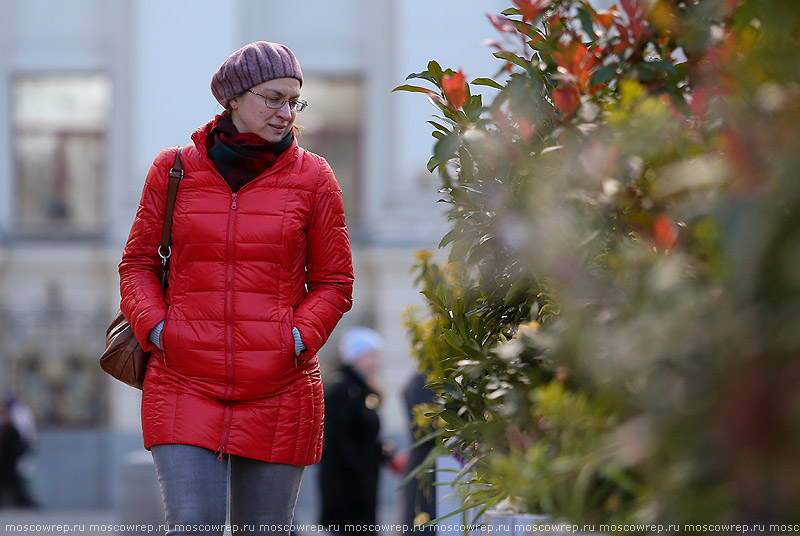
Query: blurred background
x=91, y=91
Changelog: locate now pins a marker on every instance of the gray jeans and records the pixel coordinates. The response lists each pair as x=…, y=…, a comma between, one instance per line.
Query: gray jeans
x=194, y=484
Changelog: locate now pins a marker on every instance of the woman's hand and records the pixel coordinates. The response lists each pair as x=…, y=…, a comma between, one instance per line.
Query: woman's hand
x=155, y=335
x=299, y=347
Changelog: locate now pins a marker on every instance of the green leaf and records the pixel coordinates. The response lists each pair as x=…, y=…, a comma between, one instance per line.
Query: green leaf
x=483, y=248
x=434, y=300
x=451, y=417
x=517, y=290
x=466, y=173
x=473, y=107
x=487, y=82
x=604, y=74
x=459, y=250
x=451, y=235
x=662, y=65
x=424, y=75
x=582, y=483
x=439, y=127
x=461, y=310
x=433, y=163
x=513, y=58
x=453, y=338
x=453, y=389
x=435, y=71
x=587, y=23
x=441, y=293
x=446, y=148
x=461, y=195
x=414, y=89
x=447, y=120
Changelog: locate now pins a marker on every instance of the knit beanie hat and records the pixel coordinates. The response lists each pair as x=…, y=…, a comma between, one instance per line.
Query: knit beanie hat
x=357, y=342
x=251, y=65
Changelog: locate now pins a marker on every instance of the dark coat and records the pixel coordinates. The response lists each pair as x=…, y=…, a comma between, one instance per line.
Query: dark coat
x=12, y=447
x=351, y=455
x=418, y=494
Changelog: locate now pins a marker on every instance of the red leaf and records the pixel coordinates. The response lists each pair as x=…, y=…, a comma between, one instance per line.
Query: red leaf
x=665, y=233
x=502, y=24
x=455, y=89
x=531, y=9
x=635, y=14
x=631, y=7
x=556, y=22
x=566, y=100
x=622, y=29
x=605, y=18
x=525, y=129
x=500, y=119
x=699, y=104
x=578, y=62
x=565, y=56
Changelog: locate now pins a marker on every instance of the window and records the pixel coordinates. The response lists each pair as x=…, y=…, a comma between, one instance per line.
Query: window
x=49, y=357
x=331, y=128
x=59, y=137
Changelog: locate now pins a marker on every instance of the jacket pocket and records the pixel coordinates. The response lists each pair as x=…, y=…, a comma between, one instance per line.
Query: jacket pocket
x=169, y=333
x=293, y=358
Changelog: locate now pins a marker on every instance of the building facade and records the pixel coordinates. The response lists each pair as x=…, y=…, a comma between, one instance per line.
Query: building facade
x=93, y=89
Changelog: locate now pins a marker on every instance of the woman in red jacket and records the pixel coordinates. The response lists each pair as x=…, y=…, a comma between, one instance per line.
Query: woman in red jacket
x=260, y=274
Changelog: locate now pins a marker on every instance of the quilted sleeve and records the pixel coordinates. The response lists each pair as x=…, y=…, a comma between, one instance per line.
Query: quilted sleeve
x=329, y=267
x=140, y=269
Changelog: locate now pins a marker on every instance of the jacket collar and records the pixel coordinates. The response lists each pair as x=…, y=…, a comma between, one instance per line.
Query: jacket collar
x=200, y=137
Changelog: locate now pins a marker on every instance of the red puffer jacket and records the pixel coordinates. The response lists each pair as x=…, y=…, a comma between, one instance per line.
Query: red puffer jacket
x=245, y=269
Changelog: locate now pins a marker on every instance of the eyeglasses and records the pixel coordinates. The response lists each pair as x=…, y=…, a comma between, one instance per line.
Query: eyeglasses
x=276, y=103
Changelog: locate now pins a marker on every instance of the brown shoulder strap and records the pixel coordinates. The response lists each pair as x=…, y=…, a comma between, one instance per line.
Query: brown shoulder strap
x=165, y=250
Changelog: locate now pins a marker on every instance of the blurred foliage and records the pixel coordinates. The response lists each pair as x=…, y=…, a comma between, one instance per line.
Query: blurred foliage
x=614, y=336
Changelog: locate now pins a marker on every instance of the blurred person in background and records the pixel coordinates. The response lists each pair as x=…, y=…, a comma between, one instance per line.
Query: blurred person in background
x=419, y=505
x=12, y=448
x=25, y=422
x=353, y=452
x=260, y=274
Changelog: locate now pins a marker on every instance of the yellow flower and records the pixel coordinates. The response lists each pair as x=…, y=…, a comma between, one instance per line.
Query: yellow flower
x=527, y=330
x=421, y=519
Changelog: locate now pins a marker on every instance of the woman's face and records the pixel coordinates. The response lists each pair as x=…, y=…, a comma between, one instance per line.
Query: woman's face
x=251, y=114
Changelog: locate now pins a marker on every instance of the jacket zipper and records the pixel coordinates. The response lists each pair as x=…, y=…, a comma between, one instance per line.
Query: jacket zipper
x=269, y=172
x=226, y=424
x=229, y=372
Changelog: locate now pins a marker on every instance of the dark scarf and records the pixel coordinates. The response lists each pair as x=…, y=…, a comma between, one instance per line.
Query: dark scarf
x=241, y=156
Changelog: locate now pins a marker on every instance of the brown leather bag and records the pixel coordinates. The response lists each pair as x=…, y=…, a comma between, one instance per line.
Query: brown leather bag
x=124, y=357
